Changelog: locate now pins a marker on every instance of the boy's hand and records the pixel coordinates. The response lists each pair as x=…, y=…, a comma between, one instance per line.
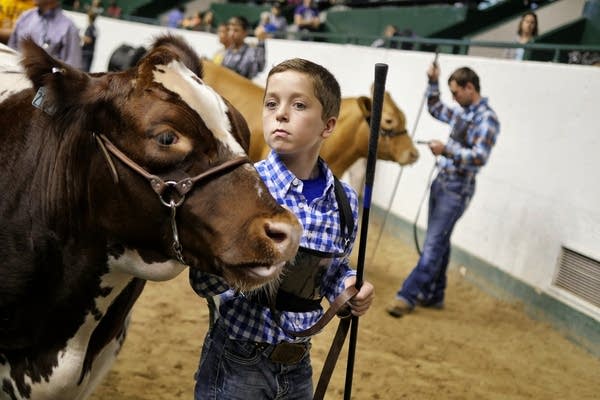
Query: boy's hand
x=363, y=299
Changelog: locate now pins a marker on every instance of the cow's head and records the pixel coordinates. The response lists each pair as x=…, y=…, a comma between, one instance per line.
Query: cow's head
x=394, y=142
x=124, y=139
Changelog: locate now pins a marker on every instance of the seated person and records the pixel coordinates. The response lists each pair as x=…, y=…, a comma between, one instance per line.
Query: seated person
x=273, y=23
x=306, y=17
x=240, y=57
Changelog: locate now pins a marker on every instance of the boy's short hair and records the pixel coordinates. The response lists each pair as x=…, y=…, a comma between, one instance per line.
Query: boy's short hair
x=326, y=87
x=239, y=20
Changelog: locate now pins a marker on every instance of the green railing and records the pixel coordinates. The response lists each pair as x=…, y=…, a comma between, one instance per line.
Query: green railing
x=451, y=46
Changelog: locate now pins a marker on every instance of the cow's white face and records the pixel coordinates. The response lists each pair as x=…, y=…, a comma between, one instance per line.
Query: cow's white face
x=201, y=98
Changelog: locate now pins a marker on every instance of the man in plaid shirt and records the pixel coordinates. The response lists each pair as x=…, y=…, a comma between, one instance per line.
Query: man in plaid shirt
x=251, y=351
x=474, y=128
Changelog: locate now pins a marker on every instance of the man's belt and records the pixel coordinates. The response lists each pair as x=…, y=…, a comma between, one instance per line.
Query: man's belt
x=458, y=172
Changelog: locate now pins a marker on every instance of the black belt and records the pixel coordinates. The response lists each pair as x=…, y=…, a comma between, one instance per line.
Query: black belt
x=285, y=352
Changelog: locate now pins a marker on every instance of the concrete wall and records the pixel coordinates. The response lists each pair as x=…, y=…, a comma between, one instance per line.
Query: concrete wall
x=540, y=190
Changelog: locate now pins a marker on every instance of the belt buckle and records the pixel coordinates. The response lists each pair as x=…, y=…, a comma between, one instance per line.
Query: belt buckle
x=288, y=353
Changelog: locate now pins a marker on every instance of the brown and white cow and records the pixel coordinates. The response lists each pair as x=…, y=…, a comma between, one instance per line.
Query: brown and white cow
x=110, y=180
x=350, y=139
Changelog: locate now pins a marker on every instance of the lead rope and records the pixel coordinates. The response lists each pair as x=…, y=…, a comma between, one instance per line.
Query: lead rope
x=177, y=248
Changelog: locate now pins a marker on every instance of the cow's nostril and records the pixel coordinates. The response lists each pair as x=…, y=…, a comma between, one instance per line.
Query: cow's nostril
x=276, y=232
x=285, y=237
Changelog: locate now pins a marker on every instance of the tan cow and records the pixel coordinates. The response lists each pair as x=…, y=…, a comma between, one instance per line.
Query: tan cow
x=351, y=136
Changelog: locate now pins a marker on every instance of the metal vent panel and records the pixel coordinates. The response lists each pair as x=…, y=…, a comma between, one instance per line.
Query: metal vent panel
x=579, y=275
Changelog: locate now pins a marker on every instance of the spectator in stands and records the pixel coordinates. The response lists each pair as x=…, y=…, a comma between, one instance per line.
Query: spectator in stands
x=528, y=30
x=240, y=57
x=306, y=17
x=392, y=38
x=273, y=23
x=201, y=21
x=175, y=17
x=89, y=42
x=193, y=23
x=223, y=34
x=113, y=10
x=9, y=13
x=51, y=29
x=95, y=7
x=208, y=21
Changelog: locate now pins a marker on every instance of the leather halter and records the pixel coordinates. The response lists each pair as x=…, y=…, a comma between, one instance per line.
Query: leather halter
x=385, y=132
x=160, y=186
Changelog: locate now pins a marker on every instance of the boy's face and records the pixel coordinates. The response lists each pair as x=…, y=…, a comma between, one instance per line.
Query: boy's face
x=292, y=121
x=237, y=34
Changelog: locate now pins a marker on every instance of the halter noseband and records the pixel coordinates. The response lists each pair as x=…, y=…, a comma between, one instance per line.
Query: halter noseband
x=159, y=186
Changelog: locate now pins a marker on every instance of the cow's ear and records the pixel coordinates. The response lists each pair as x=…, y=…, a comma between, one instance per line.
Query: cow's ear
x=364, y=103
x=57, y=84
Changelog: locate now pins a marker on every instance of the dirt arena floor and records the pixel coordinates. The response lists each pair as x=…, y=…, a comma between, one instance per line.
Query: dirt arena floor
x=476, y=348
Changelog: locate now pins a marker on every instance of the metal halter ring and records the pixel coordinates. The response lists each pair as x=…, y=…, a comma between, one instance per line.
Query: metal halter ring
x=171, y=185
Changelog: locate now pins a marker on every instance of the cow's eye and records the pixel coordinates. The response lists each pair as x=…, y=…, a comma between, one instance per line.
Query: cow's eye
x=166, y=138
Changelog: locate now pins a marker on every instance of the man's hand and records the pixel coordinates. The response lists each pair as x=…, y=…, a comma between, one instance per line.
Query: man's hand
x=436, y=147
x=363, y=299
x=433, y=73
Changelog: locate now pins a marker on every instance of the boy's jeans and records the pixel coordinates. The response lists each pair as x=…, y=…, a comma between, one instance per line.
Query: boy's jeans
x=448, y=199
x=237, y=370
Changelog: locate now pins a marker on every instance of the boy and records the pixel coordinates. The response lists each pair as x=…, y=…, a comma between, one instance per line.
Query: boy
x=251, y=352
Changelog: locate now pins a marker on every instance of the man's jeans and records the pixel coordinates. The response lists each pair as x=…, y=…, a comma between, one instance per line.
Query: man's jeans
x=449, y=197
x=237, y=370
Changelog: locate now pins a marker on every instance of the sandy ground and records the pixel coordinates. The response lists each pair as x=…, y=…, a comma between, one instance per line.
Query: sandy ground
x=476, y=348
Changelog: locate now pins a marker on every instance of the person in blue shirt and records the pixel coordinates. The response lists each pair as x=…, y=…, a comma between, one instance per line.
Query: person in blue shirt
x=251, y=350
x=51, y=29
x=474, y=129
x=175, y=17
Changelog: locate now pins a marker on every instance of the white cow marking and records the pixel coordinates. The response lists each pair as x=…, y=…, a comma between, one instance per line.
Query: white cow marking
x=177, y=78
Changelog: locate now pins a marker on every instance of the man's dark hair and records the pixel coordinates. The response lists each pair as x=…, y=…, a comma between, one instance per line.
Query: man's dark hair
x=464, y=75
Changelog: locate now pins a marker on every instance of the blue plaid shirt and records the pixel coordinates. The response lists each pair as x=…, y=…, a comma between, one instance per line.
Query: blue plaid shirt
x=482, y=128
x=245, y=319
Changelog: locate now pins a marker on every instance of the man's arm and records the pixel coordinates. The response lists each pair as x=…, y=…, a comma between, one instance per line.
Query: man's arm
x=436, y=108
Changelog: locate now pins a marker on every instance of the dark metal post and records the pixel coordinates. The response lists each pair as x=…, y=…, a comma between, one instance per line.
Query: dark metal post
x=378, y=92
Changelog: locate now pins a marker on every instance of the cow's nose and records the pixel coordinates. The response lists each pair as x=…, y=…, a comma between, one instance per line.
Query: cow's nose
x=284, y=236
x=414, y=154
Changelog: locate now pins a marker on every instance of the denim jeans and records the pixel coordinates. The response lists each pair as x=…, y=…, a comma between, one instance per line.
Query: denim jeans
x=449, y=197
x=238, y=370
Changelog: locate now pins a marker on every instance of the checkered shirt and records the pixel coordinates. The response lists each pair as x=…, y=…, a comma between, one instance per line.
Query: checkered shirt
x=483, y=129
x=247, y=320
